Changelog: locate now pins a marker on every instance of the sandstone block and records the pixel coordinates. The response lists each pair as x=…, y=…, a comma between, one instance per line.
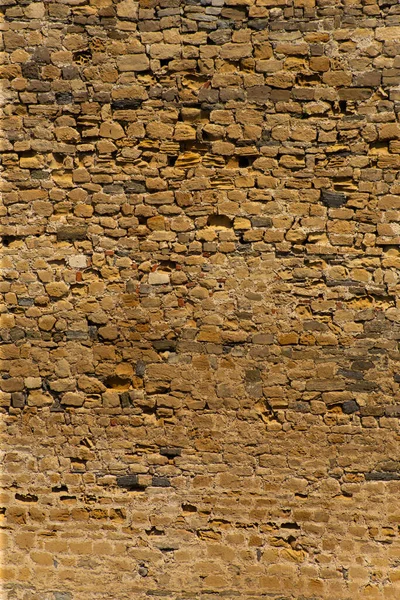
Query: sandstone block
x=32, y=383
x=108, y=332
x=71, y=233
x=110, y=129
x=241, y=223
x=389, y=131
x=77, y=261
x=319, y=63
x=57, y=289
x=165, y=51
x=73, y=399
x=387, y=34
x=39, y=399
x=184, y=132
x=224, y=148
x=133, y=62
x=159, y=130
x=46, y=323
x=67, y=134
x=127, y=9
x=235, y=51
x=158, y=278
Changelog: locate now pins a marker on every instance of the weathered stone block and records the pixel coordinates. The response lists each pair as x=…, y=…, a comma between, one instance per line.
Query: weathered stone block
x=71, y=233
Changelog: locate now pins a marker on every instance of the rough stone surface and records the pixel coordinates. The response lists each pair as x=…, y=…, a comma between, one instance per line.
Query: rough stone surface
x=199, y=314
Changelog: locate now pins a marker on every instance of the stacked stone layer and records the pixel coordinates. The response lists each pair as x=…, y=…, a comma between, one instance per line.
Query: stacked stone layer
x=199, y=315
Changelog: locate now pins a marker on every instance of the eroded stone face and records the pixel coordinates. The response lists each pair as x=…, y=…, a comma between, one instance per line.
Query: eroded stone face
x=199, y=318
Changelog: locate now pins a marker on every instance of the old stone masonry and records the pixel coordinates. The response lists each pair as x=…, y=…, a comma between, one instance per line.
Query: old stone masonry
x=200, y=300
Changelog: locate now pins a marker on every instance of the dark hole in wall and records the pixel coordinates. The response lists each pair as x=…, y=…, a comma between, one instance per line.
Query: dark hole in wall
x=189, y=508
x=305, y=79
x=82, y=57
x=6, y=240
x=246, y=161
x=155, y=531
x=378, y=145
x=167, y=265
x=194, y=146
x=116, y=382
x=170, y=452
x=219, y=221
x=60, y=488
x=290, y=526
x=26, y=497
x=207, y=137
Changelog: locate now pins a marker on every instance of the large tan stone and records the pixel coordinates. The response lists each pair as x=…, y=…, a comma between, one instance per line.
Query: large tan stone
x=133, y=62
x=111, y=130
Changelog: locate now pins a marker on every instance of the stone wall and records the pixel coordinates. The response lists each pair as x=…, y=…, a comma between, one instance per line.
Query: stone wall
x=199, y=316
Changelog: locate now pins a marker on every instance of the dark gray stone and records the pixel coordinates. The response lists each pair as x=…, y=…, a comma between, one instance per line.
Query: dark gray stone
x=362, y=386
x=64, y=98
x=41, y=55
x=140, y=368
x=130, y=482
x=70, y=72
x=362, y=365
x=30, y=70
x=25, y=301
x=350, y=407
x=333, y=199
x=170, y=452
x=161, y=481
x=258, y=24
x=253, y=375
x=208, y=95
x=18, y=400
x=135, y=187
x=77, y=335
x=125, y=104
x=382, y=476
x=125, y=400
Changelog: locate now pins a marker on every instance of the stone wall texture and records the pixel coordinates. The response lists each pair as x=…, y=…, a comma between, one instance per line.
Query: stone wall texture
x=199, y=313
